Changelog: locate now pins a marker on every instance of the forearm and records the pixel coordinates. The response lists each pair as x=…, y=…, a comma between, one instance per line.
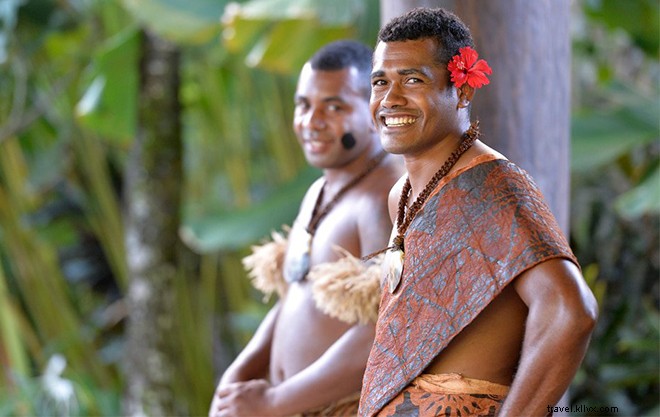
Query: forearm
x=244, y=370
x=550, y=358
x=335, y=375
x=253, y=361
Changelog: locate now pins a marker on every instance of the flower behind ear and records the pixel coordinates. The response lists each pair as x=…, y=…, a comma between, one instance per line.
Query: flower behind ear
x=465, y=68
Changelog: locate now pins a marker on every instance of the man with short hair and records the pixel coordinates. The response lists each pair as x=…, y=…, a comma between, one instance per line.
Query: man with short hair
x=484, y=309
x=309, y=354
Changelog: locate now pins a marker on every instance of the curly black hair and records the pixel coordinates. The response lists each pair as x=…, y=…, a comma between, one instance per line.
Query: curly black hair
x=342, y=54
x=446, y=28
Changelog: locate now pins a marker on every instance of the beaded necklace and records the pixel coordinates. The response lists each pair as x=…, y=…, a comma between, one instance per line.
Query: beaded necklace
x=395, y=253
x=299, y=266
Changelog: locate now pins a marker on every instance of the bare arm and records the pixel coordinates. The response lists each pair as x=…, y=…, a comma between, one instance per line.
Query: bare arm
x=562, y=314
x=254, y=360
x=339, y=371
x=336, y=374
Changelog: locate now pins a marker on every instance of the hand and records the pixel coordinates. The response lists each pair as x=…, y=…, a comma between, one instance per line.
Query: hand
x=250, y=398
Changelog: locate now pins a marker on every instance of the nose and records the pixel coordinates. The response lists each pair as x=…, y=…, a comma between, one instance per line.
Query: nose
x=393, y=97
x=313, y=119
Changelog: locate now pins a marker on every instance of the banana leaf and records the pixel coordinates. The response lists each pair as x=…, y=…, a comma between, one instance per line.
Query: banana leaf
x=236, y=229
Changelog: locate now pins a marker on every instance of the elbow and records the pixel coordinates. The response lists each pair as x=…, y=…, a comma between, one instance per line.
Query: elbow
x=585, y=316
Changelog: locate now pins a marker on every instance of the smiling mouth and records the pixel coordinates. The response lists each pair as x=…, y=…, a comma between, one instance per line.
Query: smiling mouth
x=398, y=121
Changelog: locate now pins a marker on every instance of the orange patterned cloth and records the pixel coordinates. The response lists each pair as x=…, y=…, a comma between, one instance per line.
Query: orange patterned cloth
x=348, y=407
x=481, y=227
x=447, y=395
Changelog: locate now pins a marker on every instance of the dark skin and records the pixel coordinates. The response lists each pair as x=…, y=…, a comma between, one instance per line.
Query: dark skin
x=310, y=358
x=534, y=335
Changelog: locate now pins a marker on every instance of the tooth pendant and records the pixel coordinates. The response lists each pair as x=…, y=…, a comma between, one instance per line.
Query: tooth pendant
x=393, y=264
x=298, y=255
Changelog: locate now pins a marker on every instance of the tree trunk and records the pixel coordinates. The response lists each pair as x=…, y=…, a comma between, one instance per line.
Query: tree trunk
x=393, y=8
x=525, y=111
x=153, y=176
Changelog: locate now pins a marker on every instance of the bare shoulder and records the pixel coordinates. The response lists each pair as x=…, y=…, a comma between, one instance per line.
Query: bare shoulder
x=478, y=149
x=380, y=182
x=548, y=276
x=375, y=191
x=555, y=281
x=312, y=192
x=372, y=215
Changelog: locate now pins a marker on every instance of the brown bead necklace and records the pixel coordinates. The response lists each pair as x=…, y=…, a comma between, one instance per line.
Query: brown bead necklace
x=395, y=252
x=296, y=270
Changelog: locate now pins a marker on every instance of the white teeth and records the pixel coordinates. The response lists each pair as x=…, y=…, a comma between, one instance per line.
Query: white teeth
x=399, y=121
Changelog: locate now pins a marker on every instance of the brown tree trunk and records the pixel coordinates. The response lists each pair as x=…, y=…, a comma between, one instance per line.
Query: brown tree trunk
x=525, y=111
x=153, y=176
x=393, y=8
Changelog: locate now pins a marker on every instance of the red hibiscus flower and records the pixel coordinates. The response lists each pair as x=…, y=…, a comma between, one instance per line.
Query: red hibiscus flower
x=465, y=68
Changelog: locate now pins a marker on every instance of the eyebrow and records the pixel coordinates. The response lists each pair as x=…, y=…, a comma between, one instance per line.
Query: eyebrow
x=325, y=100
x=405, y=71
x=333, y=98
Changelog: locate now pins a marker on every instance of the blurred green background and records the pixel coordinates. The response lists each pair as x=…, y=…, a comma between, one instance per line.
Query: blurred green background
x=69, y=79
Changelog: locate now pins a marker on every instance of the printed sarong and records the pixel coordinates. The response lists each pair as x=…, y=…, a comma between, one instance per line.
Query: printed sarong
x=348, y=407
x=447, y=395
x=483, y=226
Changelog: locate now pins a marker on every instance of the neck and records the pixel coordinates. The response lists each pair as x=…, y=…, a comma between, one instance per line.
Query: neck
x=422, y=167
x=338, y=177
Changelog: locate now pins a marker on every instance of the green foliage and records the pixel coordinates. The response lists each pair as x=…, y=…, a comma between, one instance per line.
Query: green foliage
x=68, y=101
x=615, y=213
x=264, y=31
x=238, y=229
x=109, y=105
x=68, y=94
x=639, y=18
x=181, y=21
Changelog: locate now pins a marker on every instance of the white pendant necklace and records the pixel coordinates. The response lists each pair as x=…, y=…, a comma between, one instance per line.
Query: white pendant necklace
x=300, y=241
x=395, y=255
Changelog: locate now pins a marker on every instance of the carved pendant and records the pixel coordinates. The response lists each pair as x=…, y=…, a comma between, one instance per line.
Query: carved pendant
x=393, y=268
x=298, y=254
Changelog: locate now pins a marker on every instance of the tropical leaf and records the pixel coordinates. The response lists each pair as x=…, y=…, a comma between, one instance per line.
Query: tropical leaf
x=275, y=52
x=109, y=105
x=643, y=199
x=180, y=21
x=639, y=18
x=328, y=13
x=280, y=35
x=599, y=137
x=237, y=229
x=11, y=343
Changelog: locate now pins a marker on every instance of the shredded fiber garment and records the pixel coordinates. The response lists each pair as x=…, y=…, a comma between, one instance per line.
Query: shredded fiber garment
x=483, y=226
x=347, y=289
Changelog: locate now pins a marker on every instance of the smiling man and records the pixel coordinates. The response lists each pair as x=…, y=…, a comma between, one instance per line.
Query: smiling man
x=484, y=309
x=309, y=354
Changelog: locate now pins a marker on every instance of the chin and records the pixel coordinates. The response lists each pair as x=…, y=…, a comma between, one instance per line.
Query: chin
x=320, y=163
x=392, y=147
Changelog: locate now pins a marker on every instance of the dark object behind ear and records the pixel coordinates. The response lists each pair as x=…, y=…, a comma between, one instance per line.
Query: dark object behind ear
x=348, y=140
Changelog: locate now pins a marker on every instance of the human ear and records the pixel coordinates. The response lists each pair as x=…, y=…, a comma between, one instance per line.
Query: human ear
x=465, y=94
